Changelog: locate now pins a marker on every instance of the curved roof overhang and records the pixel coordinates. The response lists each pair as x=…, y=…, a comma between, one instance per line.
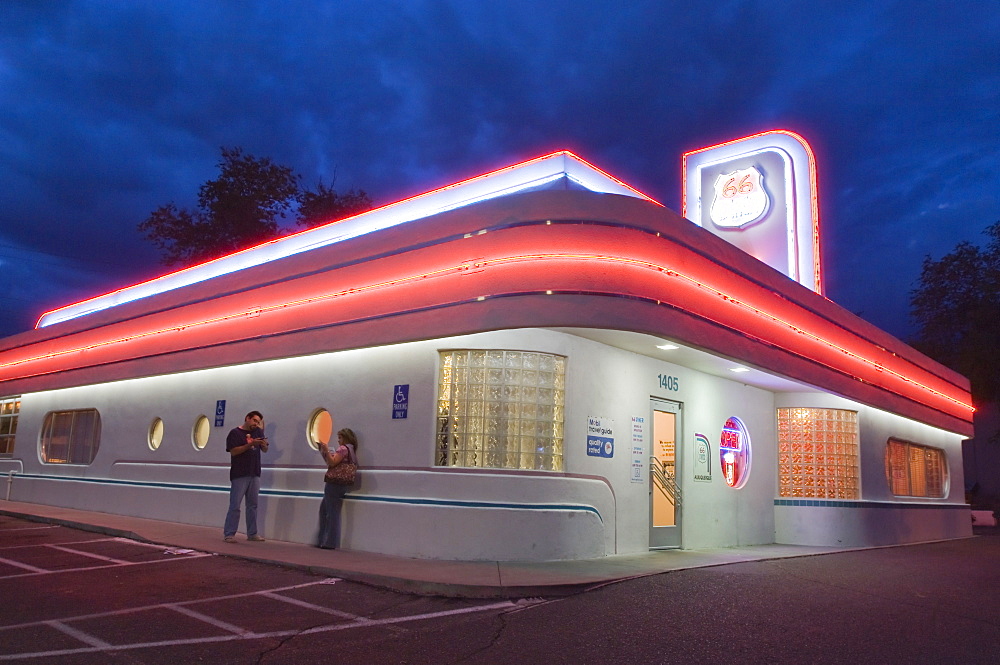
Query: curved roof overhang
x=535, y=259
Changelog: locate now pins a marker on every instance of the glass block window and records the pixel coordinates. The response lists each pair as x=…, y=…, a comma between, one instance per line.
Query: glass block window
x=818, y=453
x=915, y=470
x=9, y=408
x=71, y=437
x=501, y=410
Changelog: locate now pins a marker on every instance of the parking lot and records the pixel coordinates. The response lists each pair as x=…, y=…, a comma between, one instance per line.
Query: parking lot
x=73, y=596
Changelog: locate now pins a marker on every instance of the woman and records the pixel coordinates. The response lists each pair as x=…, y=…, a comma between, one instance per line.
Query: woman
x=333, y=494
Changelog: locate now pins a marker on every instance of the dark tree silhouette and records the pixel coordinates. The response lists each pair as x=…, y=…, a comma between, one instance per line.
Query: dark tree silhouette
x=326, y=205
x=241, y=208
x=956, y=306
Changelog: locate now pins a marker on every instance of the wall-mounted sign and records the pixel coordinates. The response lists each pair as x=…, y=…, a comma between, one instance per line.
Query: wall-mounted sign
x=638, y=450
x=600, y=437
x=702, y=458
x=220, y=412
x=734, y=452
x=400, y=401
x=759, y=193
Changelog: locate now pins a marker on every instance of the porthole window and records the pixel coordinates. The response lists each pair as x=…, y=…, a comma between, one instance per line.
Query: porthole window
x=199, y=433
x=320, y=428
x=155, y=434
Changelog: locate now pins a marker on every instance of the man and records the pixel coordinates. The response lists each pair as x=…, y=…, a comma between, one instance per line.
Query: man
x=245, y=444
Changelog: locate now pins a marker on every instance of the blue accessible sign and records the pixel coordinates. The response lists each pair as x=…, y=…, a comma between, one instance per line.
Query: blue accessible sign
x=400, y=401
x=220, y=412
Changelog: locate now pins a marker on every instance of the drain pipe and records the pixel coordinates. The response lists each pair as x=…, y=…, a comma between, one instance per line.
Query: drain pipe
x=10, y=481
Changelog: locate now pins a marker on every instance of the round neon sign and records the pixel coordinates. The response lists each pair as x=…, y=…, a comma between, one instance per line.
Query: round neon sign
x=734, y=452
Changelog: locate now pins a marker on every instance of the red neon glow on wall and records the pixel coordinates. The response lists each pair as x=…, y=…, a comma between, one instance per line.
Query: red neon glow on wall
x=166, y=278
x=518, y=260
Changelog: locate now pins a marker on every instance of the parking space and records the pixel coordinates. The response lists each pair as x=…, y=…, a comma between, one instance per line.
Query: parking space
x=72, y=596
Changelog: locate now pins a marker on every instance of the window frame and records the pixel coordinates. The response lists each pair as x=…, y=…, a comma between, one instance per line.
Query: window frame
x=908, y=453
x=488, y=400
x=76, y=434
x=320, y=423
x=10, y=409
x=201, y=432
x=834, y=447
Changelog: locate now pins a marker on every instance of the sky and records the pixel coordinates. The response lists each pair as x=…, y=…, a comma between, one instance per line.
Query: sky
x=110, y=109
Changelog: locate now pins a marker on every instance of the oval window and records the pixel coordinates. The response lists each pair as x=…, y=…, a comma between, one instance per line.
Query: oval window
x=320, y=428
x=155, y=433
x=199, y=433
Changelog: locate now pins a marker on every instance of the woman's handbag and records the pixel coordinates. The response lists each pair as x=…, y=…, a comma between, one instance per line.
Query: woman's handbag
x=342, y=474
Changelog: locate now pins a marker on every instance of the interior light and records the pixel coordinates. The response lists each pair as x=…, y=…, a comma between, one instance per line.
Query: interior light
x=738, y=369
x=667, y=347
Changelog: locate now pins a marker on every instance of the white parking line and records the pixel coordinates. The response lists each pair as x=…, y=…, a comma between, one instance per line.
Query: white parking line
x=218, y=623
x=310, y=606
x=145, y=608
x=87, y=554
x=276, y=634
x=79, y=634
x=40, y=571
x=18, y=564
x=72, y=542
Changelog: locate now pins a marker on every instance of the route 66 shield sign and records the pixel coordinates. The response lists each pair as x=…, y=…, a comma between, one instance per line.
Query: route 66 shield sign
x=740, y=199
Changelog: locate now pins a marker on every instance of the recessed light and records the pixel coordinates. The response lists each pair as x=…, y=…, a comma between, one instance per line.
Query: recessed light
x=738, y=369
x=667, y=347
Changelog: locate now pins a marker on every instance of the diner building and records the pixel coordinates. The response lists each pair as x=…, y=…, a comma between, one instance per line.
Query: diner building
x=540, y=363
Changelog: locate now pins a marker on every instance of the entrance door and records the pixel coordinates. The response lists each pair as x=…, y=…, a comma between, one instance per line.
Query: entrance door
x=664, y=461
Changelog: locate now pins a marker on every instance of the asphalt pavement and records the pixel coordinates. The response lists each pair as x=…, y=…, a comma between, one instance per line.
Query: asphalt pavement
x=468, y=579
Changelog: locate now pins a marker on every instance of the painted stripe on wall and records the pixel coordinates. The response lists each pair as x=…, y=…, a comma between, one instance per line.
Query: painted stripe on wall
x=821, y=503
x=319, y=495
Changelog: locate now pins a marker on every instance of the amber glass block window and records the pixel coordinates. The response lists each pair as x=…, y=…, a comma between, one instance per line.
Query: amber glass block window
x=71, y=437
x=915, y=470
x=818, y=453
x=9, y=408
x=501, y=410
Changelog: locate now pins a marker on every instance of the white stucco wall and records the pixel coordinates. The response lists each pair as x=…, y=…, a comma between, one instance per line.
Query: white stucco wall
x=878, y=517
x=407, y=506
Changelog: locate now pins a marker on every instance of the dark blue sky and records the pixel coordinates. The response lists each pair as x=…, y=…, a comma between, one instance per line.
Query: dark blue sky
x=111, y=109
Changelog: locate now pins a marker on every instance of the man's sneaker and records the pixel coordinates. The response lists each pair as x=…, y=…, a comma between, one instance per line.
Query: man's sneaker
x=230, y=539
x=255, y=539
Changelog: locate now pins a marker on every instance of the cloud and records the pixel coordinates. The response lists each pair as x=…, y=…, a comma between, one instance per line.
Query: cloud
x=109, y=110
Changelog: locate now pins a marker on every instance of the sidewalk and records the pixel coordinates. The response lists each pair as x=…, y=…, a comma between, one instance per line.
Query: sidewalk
x=473, y=579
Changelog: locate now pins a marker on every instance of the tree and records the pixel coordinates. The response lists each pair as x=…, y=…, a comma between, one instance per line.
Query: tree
x=326, y=205
x=956, y=306
x=244, y=207
x=240, y=209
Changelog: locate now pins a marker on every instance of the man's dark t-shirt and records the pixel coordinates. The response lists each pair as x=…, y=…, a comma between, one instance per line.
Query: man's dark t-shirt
x=248, y=463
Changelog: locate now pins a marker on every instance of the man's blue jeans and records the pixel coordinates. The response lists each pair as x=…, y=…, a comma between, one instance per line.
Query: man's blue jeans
x=249, y=487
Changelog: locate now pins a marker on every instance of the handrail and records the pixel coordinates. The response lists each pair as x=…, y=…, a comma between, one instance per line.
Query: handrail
x=666, y=484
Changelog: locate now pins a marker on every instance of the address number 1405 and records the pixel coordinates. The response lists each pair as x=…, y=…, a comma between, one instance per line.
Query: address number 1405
x=669, y=382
